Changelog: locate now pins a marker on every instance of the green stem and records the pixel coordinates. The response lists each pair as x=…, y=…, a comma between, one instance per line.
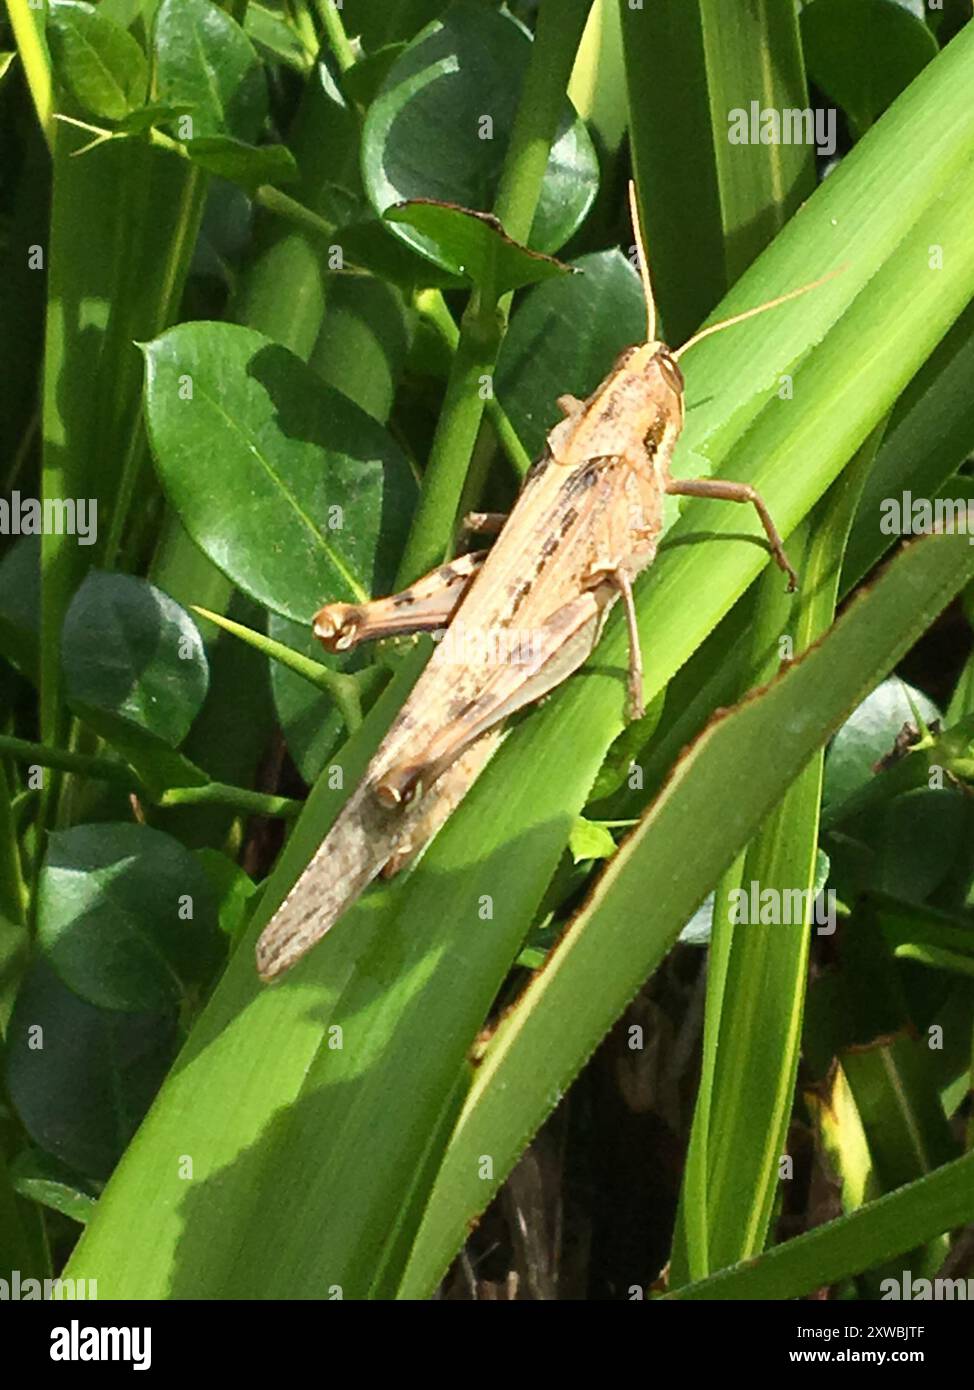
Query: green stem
x=434, y=309
x=14, y=897
x=107, y=770
x=431, y=533
x=557, y=36
x=342, y=688
x=338, y=42
x=240, y=798
x=33, y=52
x=559, y=29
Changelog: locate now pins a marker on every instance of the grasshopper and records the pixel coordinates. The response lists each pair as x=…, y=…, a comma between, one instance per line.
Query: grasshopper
x=587, y=521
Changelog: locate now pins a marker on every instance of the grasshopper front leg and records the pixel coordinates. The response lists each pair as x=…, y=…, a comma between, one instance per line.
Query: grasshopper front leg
x=425, y=606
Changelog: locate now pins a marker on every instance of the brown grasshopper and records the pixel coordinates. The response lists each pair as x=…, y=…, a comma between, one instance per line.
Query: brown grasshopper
x=587, y=521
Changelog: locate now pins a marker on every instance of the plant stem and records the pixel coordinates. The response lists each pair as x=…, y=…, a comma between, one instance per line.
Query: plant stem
x=14, y=897
x=433, y=307
x=37, y=65
x=342, y=688
x=335, y=33
x=559, y=29
x=557, y=36
x=107, y=770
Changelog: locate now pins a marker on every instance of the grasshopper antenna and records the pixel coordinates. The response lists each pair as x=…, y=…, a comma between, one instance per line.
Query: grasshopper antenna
x=750, y=313
x=643, y=261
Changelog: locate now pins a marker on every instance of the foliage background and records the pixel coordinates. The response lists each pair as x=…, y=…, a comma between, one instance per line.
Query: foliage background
x=228, y=320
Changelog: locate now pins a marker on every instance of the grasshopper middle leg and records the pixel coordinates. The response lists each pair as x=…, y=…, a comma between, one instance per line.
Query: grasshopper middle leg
x=737, y=492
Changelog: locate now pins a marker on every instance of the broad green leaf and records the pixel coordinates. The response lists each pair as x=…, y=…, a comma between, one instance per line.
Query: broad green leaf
x=590, y=840
x=836, y=34
x=232, y=889
x=455, y=90
x=126, y=916
x=390, y=22
x=248, y=165
x=289, y=488
x=204, y=60
x=41, y=1178
x=130, y=651
x=81, y=1078
x=362, y=81
x=98, y=61
x=362, y=346
x=870, y=734
x=270, y=32
x=474, y=245
x=564, y=338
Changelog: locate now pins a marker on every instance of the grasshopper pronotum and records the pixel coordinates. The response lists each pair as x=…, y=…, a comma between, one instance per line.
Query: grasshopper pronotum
x=586, y=522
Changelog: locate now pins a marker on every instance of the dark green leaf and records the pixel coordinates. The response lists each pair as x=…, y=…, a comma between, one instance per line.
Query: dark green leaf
x=248, y=165
x=276, y=37
x=869, y=734
x=126, y=916
x=205, y=60
x=455, y=91
x=99, y=63
x=864, y=53
x=474, y=245
x=39, y=1177
x=232, y=889
x=81, y=1078
x=130, y=651
x=156, y=113
x=288, y=487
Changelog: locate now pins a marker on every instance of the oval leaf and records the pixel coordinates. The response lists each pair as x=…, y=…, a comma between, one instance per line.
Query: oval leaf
x=289, y=488
x=113, y=916
x=205, y=60
x=98, y=61
x=130, y=651
x=81, y=1078
x=248, y=165
x=475, y=245
x=836, y=35
x=426, y=134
